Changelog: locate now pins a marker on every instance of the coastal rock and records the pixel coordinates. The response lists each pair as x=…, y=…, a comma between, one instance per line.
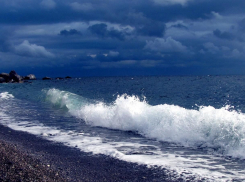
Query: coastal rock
x=15, y=77
x=30, y=77
x=5, y=76
x=46, y=78
x=2, y=80
x=67, y=77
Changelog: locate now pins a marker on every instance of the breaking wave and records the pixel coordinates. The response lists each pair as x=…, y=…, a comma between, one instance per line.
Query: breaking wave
x=220, y=129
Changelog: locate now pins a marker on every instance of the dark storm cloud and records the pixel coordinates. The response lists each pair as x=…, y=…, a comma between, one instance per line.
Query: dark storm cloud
x=5, y=45
x=241, y=24
x=27, y=11
x=102, y=31
x=123, y=34
x=155, y=29
x=223, y=35
x=57, y=11
x=179, y=25
x=70, y=32
x=193, y=10
x=48, y=4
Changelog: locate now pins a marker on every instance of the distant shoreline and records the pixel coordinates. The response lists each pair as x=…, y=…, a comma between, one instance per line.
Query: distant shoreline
x=13, y=77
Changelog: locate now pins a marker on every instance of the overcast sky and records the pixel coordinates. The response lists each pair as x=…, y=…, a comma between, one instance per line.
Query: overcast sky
x=129, y=37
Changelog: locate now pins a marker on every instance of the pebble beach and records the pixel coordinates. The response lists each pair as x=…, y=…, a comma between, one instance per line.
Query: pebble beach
x=26, y=157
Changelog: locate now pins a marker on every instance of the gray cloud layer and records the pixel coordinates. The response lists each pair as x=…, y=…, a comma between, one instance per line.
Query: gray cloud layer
x=151, y=36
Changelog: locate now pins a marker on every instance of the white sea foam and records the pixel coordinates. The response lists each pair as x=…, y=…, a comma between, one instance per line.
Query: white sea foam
x=221, y=129
x=6, y=95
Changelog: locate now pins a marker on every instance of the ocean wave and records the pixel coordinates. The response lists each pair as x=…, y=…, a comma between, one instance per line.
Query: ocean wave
x=221, y=129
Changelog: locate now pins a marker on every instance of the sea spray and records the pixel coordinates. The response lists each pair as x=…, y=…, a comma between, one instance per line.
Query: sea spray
x=220, y=129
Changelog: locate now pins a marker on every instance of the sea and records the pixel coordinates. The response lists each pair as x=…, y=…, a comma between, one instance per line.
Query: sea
x=193, y=127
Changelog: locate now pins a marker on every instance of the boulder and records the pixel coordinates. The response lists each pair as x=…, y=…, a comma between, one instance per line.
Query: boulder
x=30, y=77
x=2, y=80
x=46, y=78
x=67, y=77
x=15, y=77
x=5, y=76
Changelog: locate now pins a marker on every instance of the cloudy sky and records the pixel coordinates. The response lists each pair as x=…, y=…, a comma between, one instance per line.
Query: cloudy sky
x=129, y=37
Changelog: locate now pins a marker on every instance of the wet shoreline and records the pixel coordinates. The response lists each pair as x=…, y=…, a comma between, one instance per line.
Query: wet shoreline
x=30, y=158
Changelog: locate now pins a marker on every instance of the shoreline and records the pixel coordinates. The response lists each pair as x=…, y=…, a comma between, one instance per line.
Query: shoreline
x=43, y=160
x=19, y=166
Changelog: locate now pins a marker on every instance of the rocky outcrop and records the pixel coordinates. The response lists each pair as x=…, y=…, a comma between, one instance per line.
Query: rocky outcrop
x=2, y=80
x=5, y=76
x=13, y=77
x=30, y=77
x=46, y=78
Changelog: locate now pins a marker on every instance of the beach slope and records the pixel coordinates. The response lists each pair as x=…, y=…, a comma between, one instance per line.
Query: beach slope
x=25, y=157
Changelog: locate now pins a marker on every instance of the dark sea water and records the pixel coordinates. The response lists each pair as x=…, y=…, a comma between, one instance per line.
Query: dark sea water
x=191, y=126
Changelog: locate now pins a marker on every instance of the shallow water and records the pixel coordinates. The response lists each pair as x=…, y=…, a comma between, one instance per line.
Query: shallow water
x=192, y=126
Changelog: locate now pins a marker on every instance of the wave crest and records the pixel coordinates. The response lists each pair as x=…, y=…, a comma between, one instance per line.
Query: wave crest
x=221, y=129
